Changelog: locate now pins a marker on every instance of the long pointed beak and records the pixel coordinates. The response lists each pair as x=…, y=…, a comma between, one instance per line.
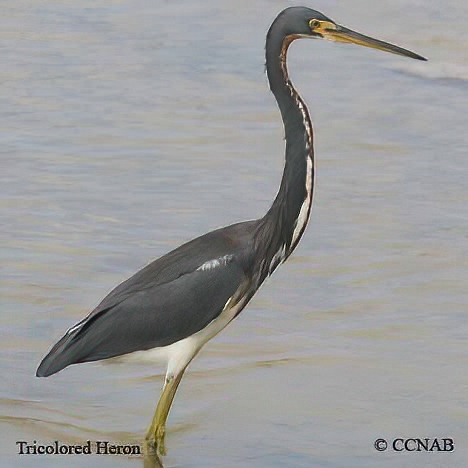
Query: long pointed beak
x=337, y=33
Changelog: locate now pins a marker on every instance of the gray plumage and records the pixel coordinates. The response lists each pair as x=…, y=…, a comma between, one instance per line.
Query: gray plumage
x=168, y=300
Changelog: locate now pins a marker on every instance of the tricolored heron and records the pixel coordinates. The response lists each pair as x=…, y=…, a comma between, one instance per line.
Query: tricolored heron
x=183, y=299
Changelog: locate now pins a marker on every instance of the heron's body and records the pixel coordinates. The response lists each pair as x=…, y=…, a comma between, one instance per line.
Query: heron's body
x=183, y=299
x=201, y=275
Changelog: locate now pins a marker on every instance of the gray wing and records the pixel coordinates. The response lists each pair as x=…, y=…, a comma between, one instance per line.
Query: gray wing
x=170, y=299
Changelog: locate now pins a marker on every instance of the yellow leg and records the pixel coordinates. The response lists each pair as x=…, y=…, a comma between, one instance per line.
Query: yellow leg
x=152, y=460
x=157, y=431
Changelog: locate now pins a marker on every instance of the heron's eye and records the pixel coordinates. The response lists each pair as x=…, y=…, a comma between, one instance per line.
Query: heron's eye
x=314, y=24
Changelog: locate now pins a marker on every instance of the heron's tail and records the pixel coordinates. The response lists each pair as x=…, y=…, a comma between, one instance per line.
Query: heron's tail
x=74, y=347
x=59, y=357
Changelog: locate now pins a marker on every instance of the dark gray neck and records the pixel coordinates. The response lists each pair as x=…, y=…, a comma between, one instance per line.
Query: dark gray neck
x=282, y=227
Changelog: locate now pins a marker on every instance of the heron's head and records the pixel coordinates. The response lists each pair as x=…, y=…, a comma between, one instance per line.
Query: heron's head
x=298, y=22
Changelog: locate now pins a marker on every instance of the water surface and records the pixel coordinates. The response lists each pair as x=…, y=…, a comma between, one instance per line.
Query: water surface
x=130, y=127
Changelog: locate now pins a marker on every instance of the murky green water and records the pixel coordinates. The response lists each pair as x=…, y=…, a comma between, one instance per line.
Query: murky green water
x=130, y=127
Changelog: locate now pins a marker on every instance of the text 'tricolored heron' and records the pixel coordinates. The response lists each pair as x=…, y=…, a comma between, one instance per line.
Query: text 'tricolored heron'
x=183, y=299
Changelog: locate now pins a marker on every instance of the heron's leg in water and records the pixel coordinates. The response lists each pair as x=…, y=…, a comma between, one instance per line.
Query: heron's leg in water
x=157, y=431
